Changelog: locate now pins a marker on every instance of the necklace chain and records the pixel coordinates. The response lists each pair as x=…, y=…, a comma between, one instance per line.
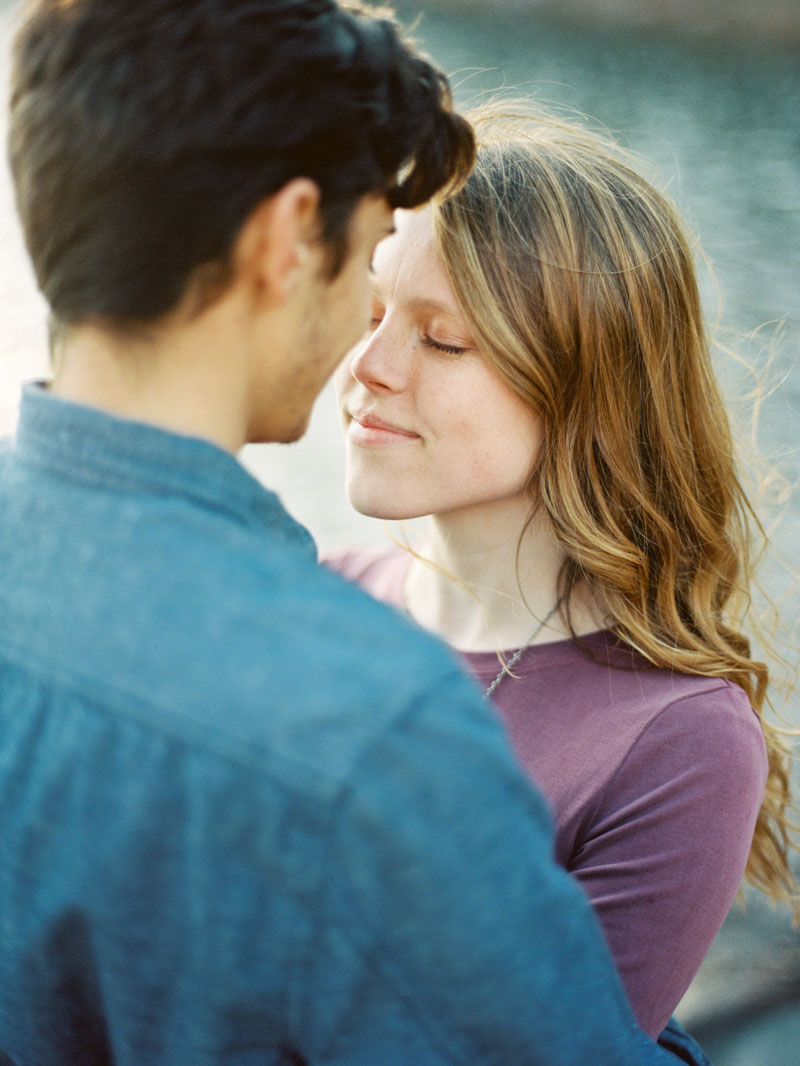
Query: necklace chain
x=505, y=669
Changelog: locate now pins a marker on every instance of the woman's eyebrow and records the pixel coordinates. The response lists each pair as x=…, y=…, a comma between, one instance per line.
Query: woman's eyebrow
x=427, y=303
x=419, y=303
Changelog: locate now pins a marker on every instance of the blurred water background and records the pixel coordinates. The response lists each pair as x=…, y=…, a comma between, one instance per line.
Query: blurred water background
x=717, y=116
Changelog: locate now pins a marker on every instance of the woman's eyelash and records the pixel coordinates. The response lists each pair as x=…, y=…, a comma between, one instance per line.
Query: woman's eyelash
x=427, y=340
x=450, y=348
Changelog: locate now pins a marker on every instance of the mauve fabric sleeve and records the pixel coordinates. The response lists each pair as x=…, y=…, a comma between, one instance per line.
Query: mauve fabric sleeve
x=664, y=851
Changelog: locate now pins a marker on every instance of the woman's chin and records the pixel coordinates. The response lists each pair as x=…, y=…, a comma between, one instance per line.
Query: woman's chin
x=381, y=505
x=384, y=513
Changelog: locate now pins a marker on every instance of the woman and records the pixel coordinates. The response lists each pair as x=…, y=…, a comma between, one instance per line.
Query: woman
x=537, y=379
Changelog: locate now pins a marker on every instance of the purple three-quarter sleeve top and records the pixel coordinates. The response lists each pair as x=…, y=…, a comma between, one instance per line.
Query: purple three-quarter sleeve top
x=654, y=778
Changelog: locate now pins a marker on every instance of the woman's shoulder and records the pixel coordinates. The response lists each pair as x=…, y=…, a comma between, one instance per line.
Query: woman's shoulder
x=712, y=719
x=381, y=571
x=607, y=710
x=671, y=711
x=657, y=692
x=693, y=737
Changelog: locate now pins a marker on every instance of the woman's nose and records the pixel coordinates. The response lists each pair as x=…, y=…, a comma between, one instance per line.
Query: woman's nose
x=378, y=363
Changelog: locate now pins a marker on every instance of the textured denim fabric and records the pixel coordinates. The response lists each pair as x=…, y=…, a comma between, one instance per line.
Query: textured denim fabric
x=247, y=815
x=680, y=1043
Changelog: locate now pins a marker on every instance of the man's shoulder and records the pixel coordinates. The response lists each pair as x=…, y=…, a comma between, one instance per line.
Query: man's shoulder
x=329, y=662
x=314, y=674
x=308, y=666
x=256, y=584
x=221, y=631
x=245, y=644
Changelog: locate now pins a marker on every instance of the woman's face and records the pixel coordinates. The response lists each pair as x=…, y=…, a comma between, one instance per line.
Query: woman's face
x=431, y=427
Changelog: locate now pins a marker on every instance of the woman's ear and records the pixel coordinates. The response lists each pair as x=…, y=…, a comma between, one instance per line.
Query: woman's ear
x=275, y=241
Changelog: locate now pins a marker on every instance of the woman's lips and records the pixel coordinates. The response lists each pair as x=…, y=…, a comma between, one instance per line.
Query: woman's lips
x=368, y=430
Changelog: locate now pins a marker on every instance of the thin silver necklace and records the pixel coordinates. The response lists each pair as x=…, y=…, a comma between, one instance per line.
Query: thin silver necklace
x=506, y=667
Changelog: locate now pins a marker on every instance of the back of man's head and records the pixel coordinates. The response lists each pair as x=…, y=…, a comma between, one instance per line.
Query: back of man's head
x=144, y=133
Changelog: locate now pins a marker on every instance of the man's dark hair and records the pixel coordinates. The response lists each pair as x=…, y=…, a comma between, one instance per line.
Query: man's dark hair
x=144, y=132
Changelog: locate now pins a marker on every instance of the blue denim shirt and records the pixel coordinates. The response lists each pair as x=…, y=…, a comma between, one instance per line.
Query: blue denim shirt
x=247, y=815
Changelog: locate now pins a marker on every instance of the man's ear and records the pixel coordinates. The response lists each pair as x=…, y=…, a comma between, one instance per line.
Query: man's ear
x=275, y=240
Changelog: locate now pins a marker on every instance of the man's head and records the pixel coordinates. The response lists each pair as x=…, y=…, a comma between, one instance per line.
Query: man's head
x=144, y=134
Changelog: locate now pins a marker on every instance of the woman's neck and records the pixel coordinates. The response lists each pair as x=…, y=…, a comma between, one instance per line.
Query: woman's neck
x=491, y=583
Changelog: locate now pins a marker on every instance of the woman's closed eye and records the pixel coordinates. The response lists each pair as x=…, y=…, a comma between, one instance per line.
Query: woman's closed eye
x=378, y=314
x=451, y=349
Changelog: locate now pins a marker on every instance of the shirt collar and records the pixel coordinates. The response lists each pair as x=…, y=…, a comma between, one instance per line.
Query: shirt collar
x=87, y=445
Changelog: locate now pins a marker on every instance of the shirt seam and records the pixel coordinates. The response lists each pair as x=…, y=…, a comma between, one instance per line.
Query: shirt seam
x=613, y=777
x=105, y=476
x=99, y=705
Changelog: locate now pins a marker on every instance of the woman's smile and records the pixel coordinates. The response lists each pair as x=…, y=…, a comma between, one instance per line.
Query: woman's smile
x=366, y=430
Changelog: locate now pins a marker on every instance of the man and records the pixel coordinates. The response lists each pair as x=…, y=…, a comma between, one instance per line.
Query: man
x=246, y=815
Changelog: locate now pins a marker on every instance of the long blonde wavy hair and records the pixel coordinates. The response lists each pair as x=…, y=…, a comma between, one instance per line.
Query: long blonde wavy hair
x=577, y=279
